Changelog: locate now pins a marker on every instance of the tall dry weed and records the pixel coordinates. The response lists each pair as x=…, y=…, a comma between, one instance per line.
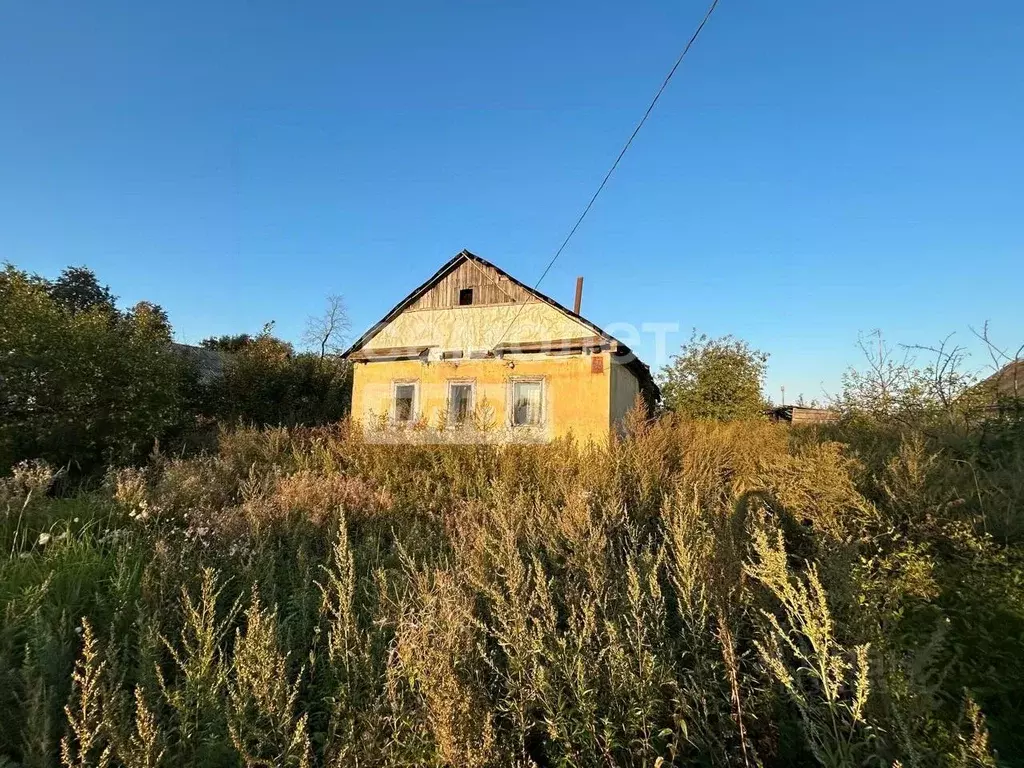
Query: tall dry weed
x=145, y=746
x=828, y=683
x=436, y=643
x=87, y=744
x=195, y=692
x=263, y=718
x=559, y=604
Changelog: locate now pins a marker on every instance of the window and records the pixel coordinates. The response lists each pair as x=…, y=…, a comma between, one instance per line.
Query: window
x=465, y=297
x=405, y=402
x=460, y=402
x=527, y=403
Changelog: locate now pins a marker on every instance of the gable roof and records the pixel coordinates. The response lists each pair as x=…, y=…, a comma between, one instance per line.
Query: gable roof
x=638, y=368
x=1008, y=381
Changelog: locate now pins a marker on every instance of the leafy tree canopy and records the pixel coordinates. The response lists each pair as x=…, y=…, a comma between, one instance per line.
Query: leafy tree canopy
x=227, y=343
x=715, y=379
x=151, y=318
x=81, y=385
x=78, y=290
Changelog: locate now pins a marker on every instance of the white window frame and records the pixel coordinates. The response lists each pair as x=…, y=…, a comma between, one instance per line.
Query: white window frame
x=414, y=416
x=543, y=401
x=471, y=383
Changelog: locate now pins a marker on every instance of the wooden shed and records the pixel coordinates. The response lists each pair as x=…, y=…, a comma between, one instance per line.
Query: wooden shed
x=799, y=415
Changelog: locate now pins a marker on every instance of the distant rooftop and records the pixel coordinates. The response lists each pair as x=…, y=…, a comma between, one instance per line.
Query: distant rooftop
x=798, y=414
x=1008, y=381
x=209, y=362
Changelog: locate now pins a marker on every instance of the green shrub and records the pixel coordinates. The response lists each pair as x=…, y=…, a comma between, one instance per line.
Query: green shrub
x=81, y=387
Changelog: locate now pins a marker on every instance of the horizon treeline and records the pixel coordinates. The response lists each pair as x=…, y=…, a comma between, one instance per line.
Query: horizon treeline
x=85, y=383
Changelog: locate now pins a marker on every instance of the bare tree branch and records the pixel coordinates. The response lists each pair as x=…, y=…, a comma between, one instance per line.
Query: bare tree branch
x=326, y=333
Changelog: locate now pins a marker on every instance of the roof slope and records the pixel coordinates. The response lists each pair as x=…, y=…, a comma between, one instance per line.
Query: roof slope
x=209, y=362
x=630, y=360
x=1008, y=381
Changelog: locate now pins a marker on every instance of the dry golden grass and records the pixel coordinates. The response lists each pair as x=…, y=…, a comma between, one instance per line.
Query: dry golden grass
x=695, y=593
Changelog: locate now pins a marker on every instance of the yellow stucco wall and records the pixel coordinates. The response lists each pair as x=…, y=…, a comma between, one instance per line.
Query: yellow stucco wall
x=624, y=389
x=475, y=328
x=577, y=400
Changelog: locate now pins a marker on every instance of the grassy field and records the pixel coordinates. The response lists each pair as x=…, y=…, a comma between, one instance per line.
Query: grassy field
x=697, y=594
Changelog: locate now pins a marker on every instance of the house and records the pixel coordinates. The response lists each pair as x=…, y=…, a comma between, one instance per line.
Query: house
x=1001, y=393
x=474, y=354
x=1005, y=384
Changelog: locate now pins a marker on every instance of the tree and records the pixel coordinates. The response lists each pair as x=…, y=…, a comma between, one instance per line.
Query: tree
x=228, y=342
x=77, y=387
x=78, y=290
x=151, y=318
x=83, y=384
x=326, y=333
x=715, y=379
x=893, y=385
x=266, y=383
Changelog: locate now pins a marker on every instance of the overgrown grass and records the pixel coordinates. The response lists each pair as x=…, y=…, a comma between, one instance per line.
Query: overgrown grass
x=698, y=593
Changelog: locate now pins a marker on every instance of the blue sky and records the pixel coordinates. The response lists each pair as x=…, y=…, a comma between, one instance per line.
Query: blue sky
x=814, y=170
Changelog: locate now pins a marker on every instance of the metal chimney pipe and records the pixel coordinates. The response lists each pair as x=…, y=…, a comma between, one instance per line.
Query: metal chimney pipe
x=579, y=295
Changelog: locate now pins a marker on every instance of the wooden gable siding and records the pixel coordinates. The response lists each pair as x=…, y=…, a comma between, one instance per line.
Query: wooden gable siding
x=488, y=286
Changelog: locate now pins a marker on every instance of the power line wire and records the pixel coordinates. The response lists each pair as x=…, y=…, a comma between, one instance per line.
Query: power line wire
x=604, y=181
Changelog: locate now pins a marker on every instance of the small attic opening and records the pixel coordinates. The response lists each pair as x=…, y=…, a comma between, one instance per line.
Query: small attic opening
x=465, y=297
